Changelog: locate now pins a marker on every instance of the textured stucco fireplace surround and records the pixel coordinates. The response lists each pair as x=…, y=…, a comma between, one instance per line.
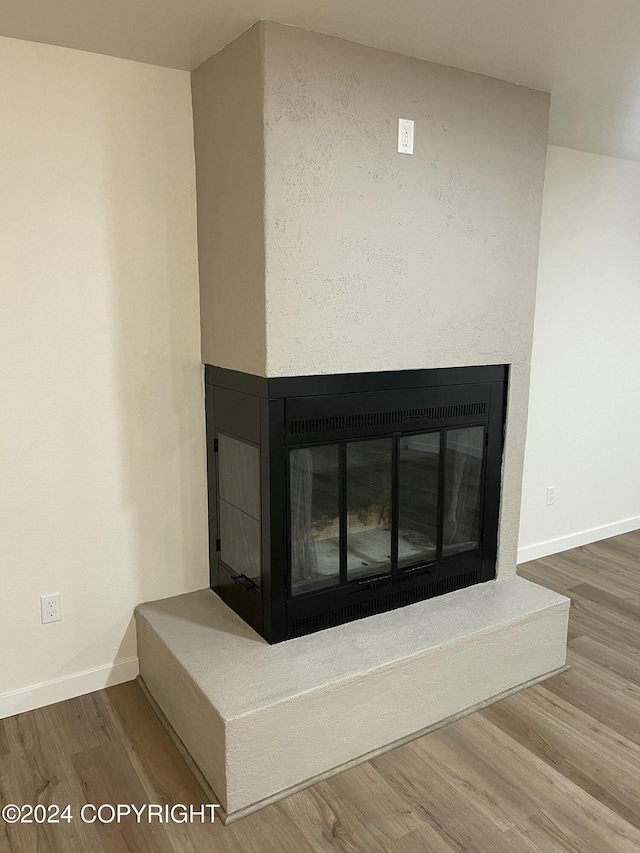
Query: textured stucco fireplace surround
x=321, y=251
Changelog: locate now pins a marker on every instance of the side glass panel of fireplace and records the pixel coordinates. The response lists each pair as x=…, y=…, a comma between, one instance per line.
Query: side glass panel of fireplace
x=239, y=506
x=314, y=496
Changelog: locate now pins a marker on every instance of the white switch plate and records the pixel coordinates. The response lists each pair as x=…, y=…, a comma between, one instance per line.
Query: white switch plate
x=405, y=136
x=551, y=495
x=51, y=608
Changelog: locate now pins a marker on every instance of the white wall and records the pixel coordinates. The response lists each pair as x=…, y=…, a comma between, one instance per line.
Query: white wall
x=102, y=473
x=584, y=411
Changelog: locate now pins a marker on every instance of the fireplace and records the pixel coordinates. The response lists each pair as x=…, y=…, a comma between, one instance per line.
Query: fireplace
x=342, y=494
x=334, y=497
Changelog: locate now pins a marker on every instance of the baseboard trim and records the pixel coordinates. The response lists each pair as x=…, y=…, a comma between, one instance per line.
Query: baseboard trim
x=60, y=689
x=576, y=540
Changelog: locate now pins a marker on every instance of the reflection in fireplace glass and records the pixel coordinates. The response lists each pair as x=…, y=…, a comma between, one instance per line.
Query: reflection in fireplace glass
x=463, y=482
x=369, y=472
x=419, y=460
x=315, y=513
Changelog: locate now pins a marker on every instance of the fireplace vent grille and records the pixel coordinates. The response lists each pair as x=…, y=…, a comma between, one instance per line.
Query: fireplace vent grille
x=384, y=602
x=370, y=419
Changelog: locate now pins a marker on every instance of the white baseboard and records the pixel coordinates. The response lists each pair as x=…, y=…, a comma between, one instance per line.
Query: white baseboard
x=49, y=692
x=576, y=540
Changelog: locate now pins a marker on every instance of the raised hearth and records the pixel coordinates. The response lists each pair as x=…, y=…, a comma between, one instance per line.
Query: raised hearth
x=262, y=721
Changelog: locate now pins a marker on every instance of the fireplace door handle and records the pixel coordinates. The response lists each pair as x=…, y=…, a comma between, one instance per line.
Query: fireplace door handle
x=244, y=581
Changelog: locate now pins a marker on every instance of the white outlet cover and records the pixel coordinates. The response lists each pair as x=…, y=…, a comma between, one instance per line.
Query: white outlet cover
x=405, y=135
x=51, y=608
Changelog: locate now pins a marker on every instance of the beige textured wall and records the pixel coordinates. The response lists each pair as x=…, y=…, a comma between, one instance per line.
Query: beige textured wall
x=378, y=260
x=373, y=260
x=383, y=261
x=102, y=483
x=228, y=131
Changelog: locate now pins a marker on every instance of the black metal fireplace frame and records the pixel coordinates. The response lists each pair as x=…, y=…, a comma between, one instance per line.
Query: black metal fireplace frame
x=281, y=413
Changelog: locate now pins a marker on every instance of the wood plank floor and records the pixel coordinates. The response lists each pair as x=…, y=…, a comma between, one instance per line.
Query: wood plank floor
x=554, y=768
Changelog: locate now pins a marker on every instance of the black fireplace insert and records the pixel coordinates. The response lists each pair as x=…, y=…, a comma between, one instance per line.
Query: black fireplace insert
x=335, y=497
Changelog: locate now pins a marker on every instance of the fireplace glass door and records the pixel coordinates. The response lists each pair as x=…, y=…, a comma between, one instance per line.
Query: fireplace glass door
x=419, y=469
x=314, y=501
x=369, y=478
x=361, y=509
x=463, y=490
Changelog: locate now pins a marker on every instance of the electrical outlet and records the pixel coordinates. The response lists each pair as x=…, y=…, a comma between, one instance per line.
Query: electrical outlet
x=405, y=135
x=51, y=608
x=551, y=495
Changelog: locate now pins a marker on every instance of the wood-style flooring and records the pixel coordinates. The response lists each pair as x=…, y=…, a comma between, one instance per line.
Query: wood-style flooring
x=554, y=768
